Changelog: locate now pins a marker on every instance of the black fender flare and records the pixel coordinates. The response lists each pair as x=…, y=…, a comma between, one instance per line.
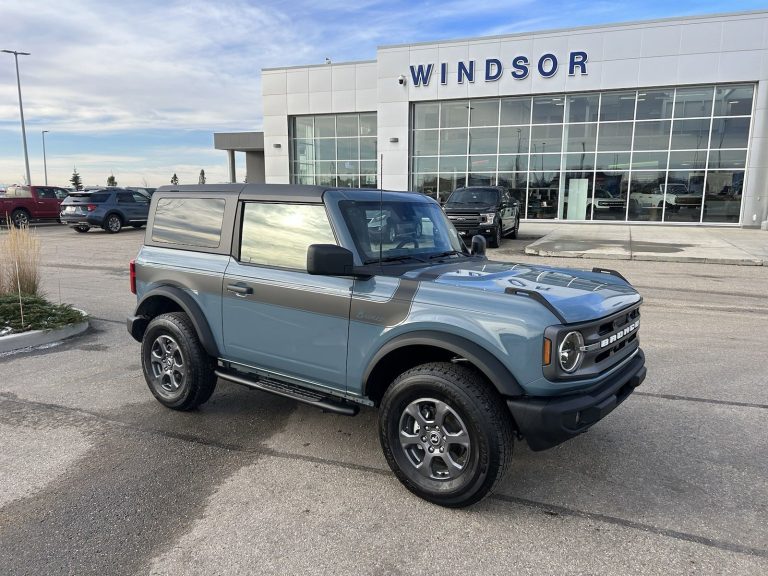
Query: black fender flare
x=188, y=306
x=485, y=361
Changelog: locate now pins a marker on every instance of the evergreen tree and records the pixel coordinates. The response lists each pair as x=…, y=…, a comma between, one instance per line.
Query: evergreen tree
x=175, y=179
x=201, y=180
x=77, y=182
x=111, y=181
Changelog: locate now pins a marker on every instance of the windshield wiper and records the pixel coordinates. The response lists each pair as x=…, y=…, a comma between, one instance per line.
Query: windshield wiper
x=448, y=253
x=402, y=257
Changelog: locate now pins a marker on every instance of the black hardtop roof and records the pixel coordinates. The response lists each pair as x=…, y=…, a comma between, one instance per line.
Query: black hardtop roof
x=267, y=192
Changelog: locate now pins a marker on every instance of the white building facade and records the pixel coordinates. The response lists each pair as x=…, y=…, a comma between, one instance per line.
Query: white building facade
x=660, y=122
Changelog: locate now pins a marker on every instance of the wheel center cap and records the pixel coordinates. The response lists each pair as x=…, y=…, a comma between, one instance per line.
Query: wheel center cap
x=434, y=438
x=169, y=363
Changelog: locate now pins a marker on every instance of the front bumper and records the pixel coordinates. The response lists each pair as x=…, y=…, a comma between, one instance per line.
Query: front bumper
x=489, y=230
x=547, y=422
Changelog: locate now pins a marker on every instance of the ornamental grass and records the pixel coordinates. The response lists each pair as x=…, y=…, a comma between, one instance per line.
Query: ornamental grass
x=20, y=262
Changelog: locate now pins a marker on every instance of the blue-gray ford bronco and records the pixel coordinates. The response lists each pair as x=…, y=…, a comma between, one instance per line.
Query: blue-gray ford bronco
x=296, y=291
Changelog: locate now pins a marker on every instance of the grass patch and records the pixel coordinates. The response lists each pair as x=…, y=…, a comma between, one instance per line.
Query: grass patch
x=39, y=314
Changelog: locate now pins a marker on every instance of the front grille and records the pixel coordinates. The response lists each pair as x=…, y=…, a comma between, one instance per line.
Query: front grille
x=464, y=219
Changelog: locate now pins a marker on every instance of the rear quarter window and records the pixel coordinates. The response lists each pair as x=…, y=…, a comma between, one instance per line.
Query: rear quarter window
x=189, y=221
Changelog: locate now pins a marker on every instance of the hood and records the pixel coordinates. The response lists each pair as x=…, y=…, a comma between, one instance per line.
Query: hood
x=459, y=207
x=577, y=295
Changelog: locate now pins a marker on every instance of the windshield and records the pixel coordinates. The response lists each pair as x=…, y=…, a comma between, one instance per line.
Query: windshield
x=478, y=196
x=399, y=231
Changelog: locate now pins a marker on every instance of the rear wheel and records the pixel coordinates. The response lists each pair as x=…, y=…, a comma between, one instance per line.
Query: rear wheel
x=177, y=369
x=82, y=229
x=20, y=218
x=113, y=224
x=445, y=433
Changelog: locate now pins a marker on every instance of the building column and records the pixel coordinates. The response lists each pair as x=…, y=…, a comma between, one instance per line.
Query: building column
x=232, y=174
x=755, y=196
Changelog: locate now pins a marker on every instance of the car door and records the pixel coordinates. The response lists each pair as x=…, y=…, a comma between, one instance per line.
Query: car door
x=507, y=211
x=277, y=317
x=142, y=206
x=47, y=203
x=127, y=205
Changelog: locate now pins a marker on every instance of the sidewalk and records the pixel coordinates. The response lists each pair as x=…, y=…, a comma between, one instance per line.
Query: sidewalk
x=743, y=247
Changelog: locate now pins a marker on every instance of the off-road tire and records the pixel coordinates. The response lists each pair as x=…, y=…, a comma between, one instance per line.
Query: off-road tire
x=482, y=411
x=200, y=379
x=20, y=218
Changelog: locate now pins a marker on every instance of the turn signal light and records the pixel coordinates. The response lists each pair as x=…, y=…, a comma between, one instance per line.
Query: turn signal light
x=547, y=352
x=133, y=276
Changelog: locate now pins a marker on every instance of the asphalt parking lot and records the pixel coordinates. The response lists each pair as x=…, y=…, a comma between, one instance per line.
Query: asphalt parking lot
x=98, y=478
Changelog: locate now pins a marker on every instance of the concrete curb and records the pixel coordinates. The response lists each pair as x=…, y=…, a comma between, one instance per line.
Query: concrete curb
x=41, y=337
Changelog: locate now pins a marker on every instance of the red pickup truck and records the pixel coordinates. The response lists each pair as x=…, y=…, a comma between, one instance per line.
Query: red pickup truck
x=22, y=204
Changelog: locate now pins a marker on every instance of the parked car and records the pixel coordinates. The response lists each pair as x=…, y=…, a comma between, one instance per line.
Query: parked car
x=390, y=226
x=107, y=208
x=486, y=210
x=462, y=356
x=23, y=204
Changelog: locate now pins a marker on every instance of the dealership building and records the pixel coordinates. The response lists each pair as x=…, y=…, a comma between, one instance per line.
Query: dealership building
x=662, y=121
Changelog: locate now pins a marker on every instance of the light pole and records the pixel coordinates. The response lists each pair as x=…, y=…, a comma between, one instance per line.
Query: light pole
x=21, y=110
x=45, y=164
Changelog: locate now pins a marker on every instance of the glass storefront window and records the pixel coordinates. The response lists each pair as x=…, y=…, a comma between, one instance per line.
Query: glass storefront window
x=688, y=160
x=543, y=193
x=426, y=115
x=734, y=100
x=580, y=137
x=729, y=133
x=548, y=109
x=646, y=195
x=481, y=179
x=615, y=136
x=582, y=107
x=484, y=113
x=426, y=184
x=514, y=139
x=654, y=104
x=425, y=142
x=722, y=199
x=727, y=159
x=617, y=106
x=483, y=140
x=652, y=135
x=649, y=160
x=626, y=144
x=515, y=111
x=612, y=161
x=685, y=191
x=334, y=149
x=454, y=114
x=690, y=134
x=694, y=102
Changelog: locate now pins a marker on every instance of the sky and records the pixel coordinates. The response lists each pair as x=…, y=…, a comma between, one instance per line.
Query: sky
x=137, y=88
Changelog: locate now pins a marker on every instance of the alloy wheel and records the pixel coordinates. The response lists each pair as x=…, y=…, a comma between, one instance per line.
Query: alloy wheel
x=168, y=366
x=434, y=439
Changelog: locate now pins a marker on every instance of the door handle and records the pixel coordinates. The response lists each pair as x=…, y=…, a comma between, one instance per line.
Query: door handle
x=240, y=289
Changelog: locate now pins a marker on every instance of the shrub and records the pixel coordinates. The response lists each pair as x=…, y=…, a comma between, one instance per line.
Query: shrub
x=20, y=268
x=39, y=314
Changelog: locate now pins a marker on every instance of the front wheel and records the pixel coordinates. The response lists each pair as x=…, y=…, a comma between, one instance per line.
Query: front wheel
x=177, y=369
x=495, y=240
x=445, y=433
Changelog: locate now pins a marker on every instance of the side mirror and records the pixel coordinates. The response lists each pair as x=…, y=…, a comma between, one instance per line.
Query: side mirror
x=478, y=245
x=329, y=260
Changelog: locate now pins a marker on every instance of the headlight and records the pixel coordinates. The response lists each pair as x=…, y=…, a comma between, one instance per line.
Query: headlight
x=488, y=218
x=570, y=354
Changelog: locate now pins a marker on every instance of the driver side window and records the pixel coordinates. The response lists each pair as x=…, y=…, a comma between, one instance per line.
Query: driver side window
x=279, y=234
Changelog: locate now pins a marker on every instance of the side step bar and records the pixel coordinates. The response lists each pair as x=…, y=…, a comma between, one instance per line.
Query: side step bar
x=297, y=393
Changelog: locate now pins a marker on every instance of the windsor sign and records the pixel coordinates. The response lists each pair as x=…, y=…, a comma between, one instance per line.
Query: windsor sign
x=492, y=69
